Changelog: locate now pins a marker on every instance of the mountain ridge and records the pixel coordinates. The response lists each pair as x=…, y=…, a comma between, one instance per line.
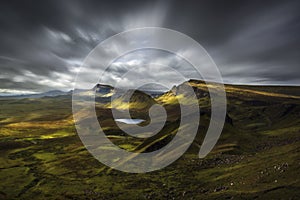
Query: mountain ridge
x=105, y=89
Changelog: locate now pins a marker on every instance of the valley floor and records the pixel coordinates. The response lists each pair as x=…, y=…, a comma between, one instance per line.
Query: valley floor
x=43, y=158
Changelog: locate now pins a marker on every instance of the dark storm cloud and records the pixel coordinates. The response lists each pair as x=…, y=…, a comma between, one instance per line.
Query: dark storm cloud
x=251, y=42
x=44, y=42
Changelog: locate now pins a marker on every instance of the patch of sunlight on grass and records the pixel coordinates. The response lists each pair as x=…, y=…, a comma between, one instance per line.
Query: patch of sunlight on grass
x=170, y=98
x=128, y=147
x=107, y=148
x=272, y=94
x=115, y=137
x=10, y=119
x=45, y=124
x=9, y=131
x=58, y=134
x=120, y=105
x=45, y=156
x=108, y=94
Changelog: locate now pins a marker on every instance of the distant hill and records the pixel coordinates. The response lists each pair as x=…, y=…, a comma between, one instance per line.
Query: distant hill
x=51, y=93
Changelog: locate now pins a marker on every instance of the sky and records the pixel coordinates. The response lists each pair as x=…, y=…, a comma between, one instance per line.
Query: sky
x=43, y=43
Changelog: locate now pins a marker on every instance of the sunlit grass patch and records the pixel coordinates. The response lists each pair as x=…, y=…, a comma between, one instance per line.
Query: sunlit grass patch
x=45, y=156
x=57, y=134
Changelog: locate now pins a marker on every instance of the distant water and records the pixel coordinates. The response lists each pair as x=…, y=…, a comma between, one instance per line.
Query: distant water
x=130, y=121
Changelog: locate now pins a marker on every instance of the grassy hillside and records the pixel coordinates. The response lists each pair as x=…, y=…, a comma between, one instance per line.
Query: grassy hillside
x=257, y=156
